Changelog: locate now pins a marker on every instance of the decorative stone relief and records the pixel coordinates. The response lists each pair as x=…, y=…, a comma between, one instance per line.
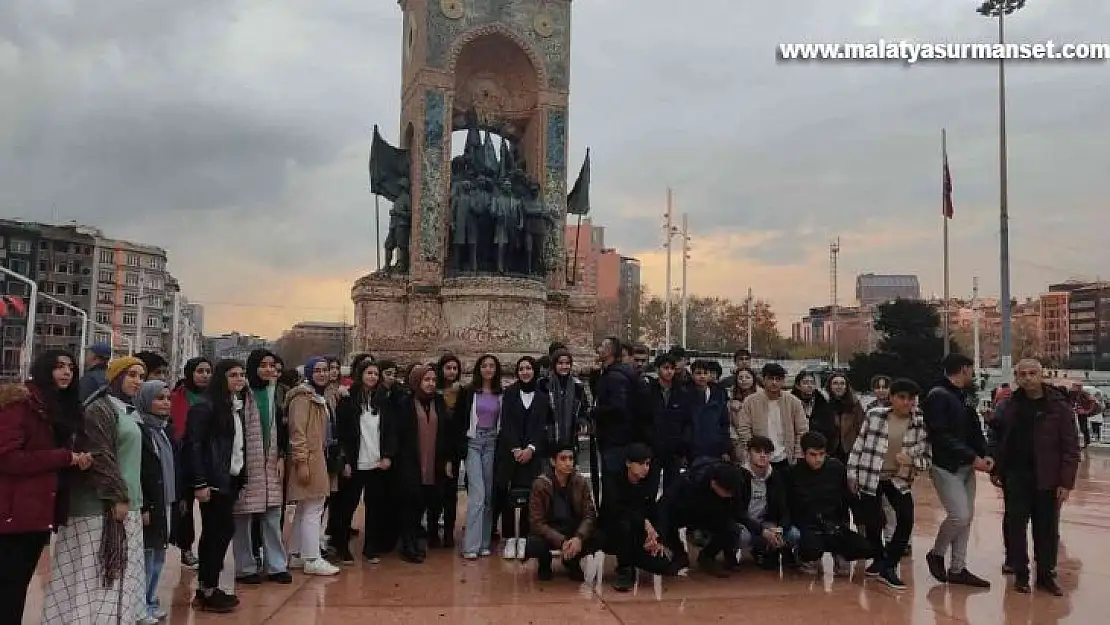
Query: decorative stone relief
x=555, y=184
x=432, y=180
x=519, y=16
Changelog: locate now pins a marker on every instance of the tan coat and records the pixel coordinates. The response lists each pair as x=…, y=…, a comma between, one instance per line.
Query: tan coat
x=307, y=465
x=751, y=420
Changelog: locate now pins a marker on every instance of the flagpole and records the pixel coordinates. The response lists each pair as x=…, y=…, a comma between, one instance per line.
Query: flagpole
x=944, y=216
x=378, y=231
x=577, y=237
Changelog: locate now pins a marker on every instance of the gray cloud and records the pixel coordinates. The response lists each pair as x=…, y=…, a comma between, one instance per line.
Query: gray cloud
x=237, y=131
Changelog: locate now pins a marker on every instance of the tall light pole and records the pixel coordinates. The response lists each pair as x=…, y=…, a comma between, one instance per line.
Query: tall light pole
x=999, y=9
x=685, y=259
x=975, y=322
x=669, y=231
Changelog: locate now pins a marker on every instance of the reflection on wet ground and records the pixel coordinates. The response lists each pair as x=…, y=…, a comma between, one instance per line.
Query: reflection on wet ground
x=448, y=590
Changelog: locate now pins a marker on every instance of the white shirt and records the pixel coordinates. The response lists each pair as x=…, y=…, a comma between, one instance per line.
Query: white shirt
x=526, y=398
x=237, y=458
x=370, y=440
x=774, y=430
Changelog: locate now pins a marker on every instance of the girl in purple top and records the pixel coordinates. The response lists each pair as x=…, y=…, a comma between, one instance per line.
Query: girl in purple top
x=480, y=408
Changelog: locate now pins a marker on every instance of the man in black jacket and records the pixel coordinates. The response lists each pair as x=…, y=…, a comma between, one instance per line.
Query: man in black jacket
x=704, y=499
x=765, y=525
x=628, y=517
x=670, y=423
x=614, y=418
x=959, y=450
x=819, y=504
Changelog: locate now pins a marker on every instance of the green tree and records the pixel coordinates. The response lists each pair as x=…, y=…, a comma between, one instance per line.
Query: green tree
x=911, y=345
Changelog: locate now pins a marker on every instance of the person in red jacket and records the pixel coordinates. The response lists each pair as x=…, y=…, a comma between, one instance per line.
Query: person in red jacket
x=38, y=421
x=190, y=390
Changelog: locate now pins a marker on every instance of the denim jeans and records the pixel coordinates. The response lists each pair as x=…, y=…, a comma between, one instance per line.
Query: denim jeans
x=956, y=492
x=155, y=559
x=791, y=536
x=480, y=452
x=273, y=550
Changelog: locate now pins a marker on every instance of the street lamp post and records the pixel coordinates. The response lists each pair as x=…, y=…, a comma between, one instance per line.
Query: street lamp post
x=29, y=330
x=84, y=328
x=999, y=9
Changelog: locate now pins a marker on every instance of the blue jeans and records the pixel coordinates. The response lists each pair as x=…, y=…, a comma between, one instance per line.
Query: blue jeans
x=480, y=452
x=791, y=536
x=155, y=559
x=273, y=550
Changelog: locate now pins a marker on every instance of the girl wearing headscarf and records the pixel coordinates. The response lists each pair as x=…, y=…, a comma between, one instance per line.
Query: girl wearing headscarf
x=188, y=392
x=311, y=426
x=160, y=488
x=261, y=499
x=425, y=453
x=369, y=441
x=448, y=373
x=567, y=396
x=525, y=411
x=216, y=444
x=38, y=422
x=97, y=571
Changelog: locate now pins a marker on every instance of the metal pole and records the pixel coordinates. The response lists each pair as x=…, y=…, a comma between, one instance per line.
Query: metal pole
x=80, y=357
x=975, y=321
x=944, y=218
x=112, y=334
x=685, y=258
x=378, y=231
x=29, y=331
x=751, y=316
x=834, y=254
x=667, y=296
x=1004, y=214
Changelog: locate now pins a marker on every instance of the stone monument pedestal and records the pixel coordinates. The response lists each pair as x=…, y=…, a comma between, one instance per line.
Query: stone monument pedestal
x=469, y=316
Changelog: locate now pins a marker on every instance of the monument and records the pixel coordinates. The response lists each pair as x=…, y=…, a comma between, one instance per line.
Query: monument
x=475, y=256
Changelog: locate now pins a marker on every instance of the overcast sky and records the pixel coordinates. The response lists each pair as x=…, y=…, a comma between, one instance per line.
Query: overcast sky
x=234, y=133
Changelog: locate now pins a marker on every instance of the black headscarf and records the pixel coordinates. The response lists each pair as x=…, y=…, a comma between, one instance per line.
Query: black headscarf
x=191, y=368
x=530, y=385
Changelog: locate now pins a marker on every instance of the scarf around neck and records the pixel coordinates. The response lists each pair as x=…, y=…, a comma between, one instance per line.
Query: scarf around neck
x=263, y=400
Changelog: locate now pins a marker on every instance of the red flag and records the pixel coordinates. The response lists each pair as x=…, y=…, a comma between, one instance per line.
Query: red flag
x=947, y=207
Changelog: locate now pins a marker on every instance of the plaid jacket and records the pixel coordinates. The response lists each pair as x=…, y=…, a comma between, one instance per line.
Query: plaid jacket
x=866, y=460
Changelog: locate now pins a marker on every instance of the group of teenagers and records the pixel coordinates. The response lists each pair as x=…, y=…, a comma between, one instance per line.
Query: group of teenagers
x=747, y=468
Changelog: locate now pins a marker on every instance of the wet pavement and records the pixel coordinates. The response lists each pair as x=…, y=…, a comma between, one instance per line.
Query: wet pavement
x=448, y=590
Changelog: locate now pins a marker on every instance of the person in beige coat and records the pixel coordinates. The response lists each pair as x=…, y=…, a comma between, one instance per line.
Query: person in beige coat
x=772, y=413
x=309, y=484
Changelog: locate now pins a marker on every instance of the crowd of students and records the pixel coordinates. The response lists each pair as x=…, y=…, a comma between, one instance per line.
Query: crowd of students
x=740, y=468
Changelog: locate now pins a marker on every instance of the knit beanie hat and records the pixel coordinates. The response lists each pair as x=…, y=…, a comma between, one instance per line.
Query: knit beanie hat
x=118, y=366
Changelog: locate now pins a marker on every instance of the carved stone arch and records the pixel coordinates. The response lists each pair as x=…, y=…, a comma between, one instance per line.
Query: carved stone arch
x=486, y=30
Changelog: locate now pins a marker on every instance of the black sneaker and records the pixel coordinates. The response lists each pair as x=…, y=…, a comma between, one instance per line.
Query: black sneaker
x=189, y=560
x=1007, y=569
x=625, y=579
x=1050, y=585
x=1021, y=585
x=574, y=570
x=232, y=599
x=280, y=578
x=890, y=577
x=876, y=569
x=544, y=571
x=214, y=601
x=253, y=579
x=345, y=557
x=965, y=578
x=936, y=566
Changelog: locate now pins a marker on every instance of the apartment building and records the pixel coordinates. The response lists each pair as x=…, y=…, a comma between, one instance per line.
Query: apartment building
x=133, y=296
x=59, y=259
x=1055, y=330
x=1088, y=319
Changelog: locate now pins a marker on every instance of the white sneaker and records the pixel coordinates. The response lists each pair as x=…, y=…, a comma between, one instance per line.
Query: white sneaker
x=320, y=567
x=296, y=562
x=147, y=620
x=159, y=614
x=521, y=547
x=510, y=549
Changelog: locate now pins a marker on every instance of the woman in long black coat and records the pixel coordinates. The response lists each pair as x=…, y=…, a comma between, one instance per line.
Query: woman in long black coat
x=423, y=464
x=525, y=413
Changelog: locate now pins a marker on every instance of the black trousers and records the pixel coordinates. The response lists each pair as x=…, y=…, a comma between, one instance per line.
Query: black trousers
x=514, y=499
x=183, y=524
x=722, y=537
x=626, y=541
x=664, y=471
x=450, y=499
x=217, y=529
x=1025, y=504
x=372, y=487
x=1085, y=429
x=21, y=556
x=537, y=548
x=843, y=542
x=871, y=509
x=424, y=502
